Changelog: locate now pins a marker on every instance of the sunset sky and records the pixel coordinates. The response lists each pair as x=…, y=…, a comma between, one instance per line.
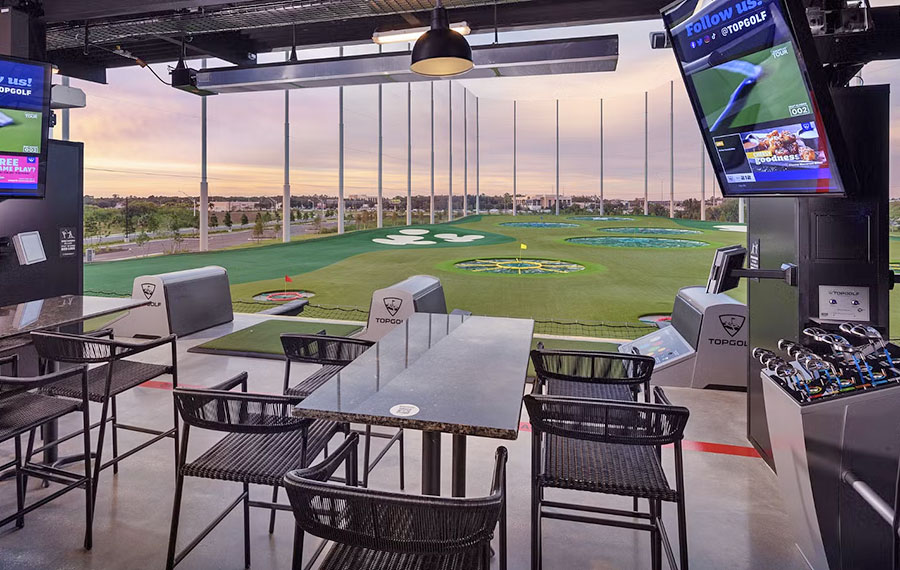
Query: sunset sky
x=142, y=137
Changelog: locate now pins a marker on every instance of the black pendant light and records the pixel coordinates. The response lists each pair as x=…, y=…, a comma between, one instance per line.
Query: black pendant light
x=441, y=52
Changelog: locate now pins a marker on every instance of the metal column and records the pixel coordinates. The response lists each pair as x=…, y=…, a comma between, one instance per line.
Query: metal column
x=465, y=208
x=379, y=208
x=601, y=157
x=557, y=157
x=286, y=198
x=741, y=207
x=477, y=159
x=431, y=463
x=702, y=180
x=409, y=154
x=646, y=155
x=204, y=185
x=340, y=210
x=515, y=156
x=450, y=177
x=65, y=114
x=671, y=149
x=431, y=201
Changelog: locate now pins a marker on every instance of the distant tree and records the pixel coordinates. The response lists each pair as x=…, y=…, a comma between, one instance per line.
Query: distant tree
x=267, y=217
x=277, y=228
x=228, y=222
x=141, y=240
x=293, y=216
x=259, y=229
x=244, y=220
x=214, y=221
x=659, y=210
x=691, y=209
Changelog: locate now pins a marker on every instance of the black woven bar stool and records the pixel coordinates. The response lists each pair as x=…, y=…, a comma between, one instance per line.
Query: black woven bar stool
x=392, y=531
x=592, y=374
x=114, y=375
x=607, y=447
x=23, y=409
x=333, y=353
x=263, y=442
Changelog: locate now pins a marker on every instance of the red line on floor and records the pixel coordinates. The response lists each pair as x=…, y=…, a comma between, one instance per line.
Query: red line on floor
x=160, y=385
x=702, y=446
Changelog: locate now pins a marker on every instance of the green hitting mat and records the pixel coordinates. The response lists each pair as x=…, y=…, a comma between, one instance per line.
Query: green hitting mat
x=263, y=340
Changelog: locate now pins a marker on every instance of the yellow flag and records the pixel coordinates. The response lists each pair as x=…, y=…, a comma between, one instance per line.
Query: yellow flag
x=523, y=246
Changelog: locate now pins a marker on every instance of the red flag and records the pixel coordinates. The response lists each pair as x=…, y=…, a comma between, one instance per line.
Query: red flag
x=288, y=279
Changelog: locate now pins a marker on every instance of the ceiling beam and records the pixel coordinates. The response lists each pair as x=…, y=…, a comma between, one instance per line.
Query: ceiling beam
x=232, y=47
x=76, y=10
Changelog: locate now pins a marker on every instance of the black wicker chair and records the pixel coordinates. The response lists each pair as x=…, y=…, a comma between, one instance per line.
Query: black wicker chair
x=264, y=442
x=591, y=374
x=392, y=531
x=333, y=353
x=114, y=375
x=607, y=447
x=23, y=409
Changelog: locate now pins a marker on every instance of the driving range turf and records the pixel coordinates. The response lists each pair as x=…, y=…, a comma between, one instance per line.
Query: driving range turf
x=618, y=284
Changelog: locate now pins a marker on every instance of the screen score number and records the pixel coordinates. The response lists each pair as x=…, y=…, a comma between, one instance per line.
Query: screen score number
x=30, y=148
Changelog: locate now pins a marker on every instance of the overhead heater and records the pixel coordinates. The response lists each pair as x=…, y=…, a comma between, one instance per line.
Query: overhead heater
x=549, y=57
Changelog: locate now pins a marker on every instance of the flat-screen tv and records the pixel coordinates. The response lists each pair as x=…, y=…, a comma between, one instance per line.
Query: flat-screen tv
x=756, y=86
x=24, y=127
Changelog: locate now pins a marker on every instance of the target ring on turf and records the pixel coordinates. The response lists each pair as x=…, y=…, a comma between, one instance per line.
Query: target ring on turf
x=513, y=266
x=283, y=296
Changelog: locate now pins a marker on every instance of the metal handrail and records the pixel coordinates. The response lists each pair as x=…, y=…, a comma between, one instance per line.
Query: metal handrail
x=869, y=495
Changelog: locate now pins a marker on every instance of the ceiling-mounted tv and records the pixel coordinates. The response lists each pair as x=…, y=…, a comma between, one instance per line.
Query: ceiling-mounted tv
x=756, y=86
x=24, y=127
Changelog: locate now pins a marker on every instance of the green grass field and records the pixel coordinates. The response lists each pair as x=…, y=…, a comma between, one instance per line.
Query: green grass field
x=24, y=132
x=617, y=284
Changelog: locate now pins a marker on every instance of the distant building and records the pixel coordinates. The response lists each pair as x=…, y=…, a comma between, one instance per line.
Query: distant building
x=537, y=202
x=232, y=206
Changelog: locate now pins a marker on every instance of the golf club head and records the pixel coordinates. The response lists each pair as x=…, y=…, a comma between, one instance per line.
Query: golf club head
x=760, y=353
x=815, y=332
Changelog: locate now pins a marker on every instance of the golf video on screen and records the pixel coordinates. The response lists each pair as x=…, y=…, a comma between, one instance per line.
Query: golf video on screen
x=20, y=131
x=745, y=77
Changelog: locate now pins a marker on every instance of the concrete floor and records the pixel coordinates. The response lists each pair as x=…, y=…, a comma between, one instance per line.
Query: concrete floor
x=735, y=519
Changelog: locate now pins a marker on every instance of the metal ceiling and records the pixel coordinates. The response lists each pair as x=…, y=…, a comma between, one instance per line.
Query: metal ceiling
x=251, y=16
x=236, y=30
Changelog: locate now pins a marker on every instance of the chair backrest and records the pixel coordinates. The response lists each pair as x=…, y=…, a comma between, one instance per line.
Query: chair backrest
x=323, y=349
x=222, y=410
x=61, y=347
x=629, y=423
x=592, y=366
x=393, y=522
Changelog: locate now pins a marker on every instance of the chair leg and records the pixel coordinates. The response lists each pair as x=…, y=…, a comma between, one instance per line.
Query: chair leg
x=29, y=451
x=655, y=536
x=536, y=562
x=98, y=460
x=115, y=436
x=176, y=513
x=247, y=525
x=367, y=446
x=402, y=461
x=297, y=557
x=682, y=534
x=20, y=483
x=272, y=515
x=89, y=484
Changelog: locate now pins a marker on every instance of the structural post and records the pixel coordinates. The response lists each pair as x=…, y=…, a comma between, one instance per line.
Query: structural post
x=431, y=202
x=557, y=157
x=671, y=149
x=450, y=177
x=601, y=158
x=515, y=153
x=65, y=114
x=477, y=159
x=340, y=211
x=465, y=208
x=702, y=180
x=286, y=198
x=379, y=208
x=409, y=154
x=646, y=155
x=741, y=207
x=204, y=185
